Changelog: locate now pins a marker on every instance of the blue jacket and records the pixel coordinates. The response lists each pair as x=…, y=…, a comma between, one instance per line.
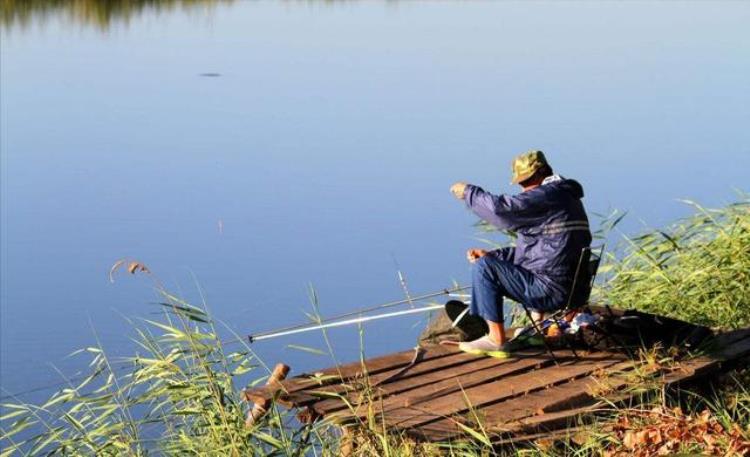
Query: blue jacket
x=551, y=225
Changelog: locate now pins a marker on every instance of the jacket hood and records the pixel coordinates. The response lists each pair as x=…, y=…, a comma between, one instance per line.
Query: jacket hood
x=570, y=186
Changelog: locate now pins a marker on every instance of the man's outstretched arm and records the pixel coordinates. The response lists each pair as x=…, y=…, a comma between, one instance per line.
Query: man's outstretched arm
x=502, y=211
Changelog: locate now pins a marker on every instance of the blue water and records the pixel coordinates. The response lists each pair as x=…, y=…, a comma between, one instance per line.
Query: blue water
x=323, y=152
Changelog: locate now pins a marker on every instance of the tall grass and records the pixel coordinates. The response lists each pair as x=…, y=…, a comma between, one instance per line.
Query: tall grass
x=178, y=395
x=697, y=270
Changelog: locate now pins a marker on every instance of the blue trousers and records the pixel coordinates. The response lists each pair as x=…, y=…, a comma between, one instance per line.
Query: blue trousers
x=494, y=278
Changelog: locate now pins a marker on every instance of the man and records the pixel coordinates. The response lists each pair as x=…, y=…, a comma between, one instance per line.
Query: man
x=552, y=228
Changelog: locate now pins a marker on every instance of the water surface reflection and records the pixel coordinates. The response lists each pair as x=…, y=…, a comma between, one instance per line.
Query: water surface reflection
x=98, y=13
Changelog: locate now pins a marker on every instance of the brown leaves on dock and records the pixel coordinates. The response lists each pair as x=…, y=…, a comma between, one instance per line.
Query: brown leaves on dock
x=663, y=431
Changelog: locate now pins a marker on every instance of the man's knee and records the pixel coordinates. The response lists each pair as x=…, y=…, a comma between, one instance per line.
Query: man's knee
x=483, y=268
x=490, y=267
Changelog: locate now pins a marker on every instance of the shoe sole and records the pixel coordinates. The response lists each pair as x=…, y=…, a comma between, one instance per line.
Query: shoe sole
x=495, y=354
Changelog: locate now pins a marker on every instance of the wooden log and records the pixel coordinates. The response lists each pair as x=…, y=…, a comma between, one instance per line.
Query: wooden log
x=260, y=408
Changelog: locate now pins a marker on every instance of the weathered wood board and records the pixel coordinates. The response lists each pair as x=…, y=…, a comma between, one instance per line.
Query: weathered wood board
x=434, y=394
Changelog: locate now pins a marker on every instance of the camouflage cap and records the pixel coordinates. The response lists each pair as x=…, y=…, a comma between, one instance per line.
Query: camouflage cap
x=525, y=165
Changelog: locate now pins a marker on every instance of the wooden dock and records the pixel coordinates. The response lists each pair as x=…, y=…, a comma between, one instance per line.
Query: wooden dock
x=435, y=393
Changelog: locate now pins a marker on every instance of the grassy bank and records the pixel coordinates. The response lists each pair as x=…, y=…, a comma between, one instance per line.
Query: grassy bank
x=181, y=392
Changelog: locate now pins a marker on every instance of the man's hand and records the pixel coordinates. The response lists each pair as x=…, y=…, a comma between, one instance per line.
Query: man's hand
x=458, y=189
x=475, y=254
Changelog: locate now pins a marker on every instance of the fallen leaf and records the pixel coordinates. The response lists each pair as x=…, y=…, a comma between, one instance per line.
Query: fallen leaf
x=629, y=440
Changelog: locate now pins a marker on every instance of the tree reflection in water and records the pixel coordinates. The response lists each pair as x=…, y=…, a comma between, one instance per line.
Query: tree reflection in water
x=99, y=13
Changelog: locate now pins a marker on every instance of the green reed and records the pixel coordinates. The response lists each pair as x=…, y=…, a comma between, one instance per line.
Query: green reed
x=178, y=394
x=697, y=270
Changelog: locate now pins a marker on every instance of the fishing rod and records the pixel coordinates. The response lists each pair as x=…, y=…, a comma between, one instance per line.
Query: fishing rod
x=336, y=321
x=265, y=336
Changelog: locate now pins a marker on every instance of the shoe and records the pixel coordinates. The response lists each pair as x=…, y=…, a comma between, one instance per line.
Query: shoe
x=485, y=346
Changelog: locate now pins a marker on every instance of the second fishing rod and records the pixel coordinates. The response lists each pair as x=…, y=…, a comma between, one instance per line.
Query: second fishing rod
x=341, y=319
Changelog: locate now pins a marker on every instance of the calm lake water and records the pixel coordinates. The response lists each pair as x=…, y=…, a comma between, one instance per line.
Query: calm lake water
x=247, y=150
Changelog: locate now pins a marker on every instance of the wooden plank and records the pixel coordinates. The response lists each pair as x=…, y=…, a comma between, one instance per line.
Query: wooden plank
x=690, y=370
x=575, y=393
x=422, y=398
x=455, y=401
x=721, y=342
x=350, y=370
x=703, y=365
x=482, y=395
x=537, y=425
x=342, y=373
x=515, y=440
x=383, y=382
x=563, y=404
x=435, y=374
x=443, y=382
x=346, y=371
x=565, y=418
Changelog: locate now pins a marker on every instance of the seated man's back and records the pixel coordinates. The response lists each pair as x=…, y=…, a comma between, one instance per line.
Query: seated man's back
x=551, y=225
x=553, y=230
